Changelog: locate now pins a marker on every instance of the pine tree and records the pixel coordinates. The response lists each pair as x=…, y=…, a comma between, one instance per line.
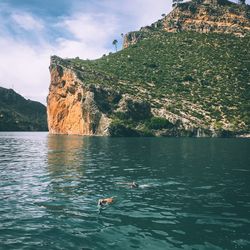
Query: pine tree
x=176, y=2
x=115, y=44
x=242, y=1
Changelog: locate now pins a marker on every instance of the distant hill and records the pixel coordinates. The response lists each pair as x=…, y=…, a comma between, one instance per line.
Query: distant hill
x=185, y=75
x=19, y=114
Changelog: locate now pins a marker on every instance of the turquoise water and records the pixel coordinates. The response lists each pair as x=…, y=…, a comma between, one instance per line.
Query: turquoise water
x=194, y=193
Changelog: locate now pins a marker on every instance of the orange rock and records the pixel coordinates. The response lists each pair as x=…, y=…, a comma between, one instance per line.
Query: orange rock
x=70, y=106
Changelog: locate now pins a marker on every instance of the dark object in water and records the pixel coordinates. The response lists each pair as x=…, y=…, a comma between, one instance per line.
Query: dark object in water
x=134, y=185
x=129, y=184
x=103, y=202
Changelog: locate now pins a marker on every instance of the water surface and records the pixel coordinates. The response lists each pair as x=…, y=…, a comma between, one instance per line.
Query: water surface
x=194, y=193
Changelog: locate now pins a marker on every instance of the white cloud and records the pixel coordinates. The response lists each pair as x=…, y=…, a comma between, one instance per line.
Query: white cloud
x=91, y=35
x=25, y=66
x=85, y=33
x=27, y=21
x=138, y=13
x=71, y=48
x=92, y=29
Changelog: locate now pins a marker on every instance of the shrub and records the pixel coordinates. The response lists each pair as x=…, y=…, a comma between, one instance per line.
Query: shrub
x=188, y=78
x=121, y=116
x=159, y=123
x=118, y=128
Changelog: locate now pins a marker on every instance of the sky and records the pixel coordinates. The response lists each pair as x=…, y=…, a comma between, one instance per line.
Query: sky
x=33, y=30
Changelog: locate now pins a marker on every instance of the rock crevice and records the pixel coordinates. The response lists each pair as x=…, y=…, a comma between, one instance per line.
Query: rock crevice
x=76, y=108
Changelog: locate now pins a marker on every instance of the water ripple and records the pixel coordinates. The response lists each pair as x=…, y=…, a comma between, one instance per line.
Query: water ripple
x=193, y=194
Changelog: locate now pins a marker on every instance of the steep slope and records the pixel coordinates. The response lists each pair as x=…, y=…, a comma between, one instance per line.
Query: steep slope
x=203, y=16
x=19, y=114
x=184, y=83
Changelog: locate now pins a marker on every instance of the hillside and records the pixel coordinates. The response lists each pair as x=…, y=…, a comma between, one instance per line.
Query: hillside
x=180, y=83
x=202, y=16
x=19, y=114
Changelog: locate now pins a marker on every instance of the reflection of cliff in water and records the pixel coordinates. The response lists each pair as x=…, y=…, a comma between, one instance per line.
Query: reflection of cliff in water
x=65, y=161
x=65, y=151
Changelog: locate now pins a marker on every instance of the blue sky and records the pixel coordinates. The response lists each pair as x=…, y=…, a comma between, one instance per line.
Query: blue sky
x=33, y=30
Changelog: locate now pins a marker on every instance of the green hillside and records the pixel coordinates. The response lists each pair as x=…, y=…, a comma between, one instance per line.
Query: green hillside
x=19, y=114
x=206, y=76
x=192, y=67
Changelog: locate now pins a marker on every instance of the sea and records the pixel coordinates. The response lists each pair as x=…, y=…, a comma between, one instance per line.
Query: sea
x=194, y=193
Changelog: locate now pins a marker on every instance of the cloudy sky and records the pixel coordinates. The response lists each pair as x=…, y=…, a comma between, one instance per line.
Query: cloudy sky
x=33, y=30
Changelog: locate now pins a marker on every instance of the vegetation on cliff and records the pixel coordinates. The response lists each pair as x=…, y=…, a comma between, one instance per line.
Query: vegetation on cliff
x=203, y=16
x=19, y=114
x=192, y=80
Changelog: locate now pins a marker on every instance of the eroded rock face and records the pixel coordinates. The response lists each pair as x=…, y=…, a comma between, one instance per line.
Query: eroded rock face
x=131, y=38
x=88, y=109
x=204, y=16
x=75, y=107
x=209, y=17
x=134, y=109
x=72, y=107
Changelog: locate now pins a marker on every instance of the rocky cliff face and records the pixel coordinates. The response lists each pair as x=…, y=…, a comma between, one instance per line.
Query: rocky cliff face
x=72, y=108
x=210, y=16
x=75, y=107
x=171, y=82
x=203, y=16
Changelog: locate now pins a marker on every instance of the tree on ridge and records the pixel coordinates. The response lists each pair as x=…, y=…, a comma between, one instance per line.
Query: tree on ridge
x=115, y=42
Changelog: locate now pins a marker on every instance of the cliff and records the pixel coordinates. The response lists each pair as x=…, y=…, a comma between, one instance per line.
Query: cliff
x=185, y=83
x=72, y=106
x=78, y=107
x=203, y=16
x=19, y=114
x=209, y=16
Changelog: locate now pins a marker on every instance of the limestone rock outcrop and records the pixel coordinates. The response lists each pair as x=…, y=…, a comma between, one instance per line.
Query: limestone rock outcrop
x=203, y=16
x=177, y=80
x=209, y=16
x=74, y=107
